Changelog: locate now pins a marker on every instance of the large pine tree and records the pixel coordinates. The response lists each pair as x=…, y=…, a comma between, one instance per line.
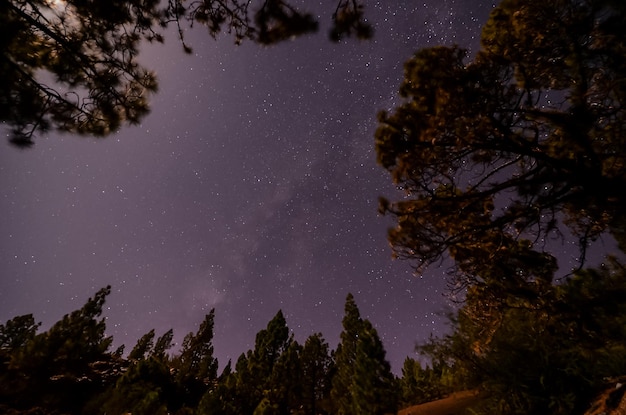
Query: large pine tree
x=363, y=382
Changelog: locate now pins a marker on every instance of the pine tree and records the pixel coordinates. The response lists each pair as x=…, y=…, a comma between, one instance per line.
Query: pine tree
x=196, y=367
x=145, y=389
x=316, y=366
x=162, y=345
x=284, y=389
x=420, y=384
x=15, y=335
x=223, y=398
x=17, y=332
x=50, y=367
x=363, y=382
x=499, y=153
x=264, y=378
x=143, y=346
x=345, y=358
x=374, y=386
x=270, y=344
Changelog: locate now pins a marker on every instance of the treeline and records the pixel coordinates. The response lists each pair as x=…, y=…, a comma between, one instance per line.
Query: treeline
x=71, y=369
x=550, y=351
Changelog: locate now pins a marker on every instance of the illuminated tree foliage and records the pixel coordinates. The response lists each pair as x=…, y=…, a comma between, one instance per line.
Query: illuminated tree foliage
x=71, y=65
x=420, y=384
x=551, y=357
x=498, y=154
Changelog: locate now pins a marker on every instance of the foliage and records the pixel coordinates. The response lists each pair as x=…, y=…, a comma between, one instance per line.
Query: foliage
x=317, y=369
x=17, y=332
x=222, y=399
x=146, y=388
x=143, y=346
x=424, y=384
x=550, y=357
x=72, y=65
x=363, y=382
x=263, y=363
x=46, y=368
x=497, y=155
x=349, y=20
x=196, y=367
x=162, y=345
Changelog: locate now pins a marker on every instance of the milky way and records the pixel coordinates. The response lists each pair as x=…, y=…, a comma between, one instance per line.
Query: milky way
x=251, y=187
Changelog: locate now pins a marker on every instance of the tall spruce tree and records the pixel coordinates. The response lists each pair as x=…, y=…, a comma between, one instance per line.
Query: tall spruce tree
x=345, y=358
x=263, y=379
x=374, y=386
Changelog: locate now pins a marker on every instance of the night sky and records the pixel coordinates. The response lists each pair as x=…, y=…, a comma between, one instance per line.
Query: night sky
x=251, y=187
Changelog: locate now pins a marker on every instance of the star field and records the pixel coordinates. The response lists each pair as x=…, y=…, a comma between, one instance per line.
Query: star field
x=251, y=187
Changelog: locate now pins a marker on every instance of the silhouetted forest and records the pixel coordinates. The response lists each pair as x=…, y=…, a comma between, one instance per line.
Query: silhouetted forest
x=549, y=356
x=70, y=369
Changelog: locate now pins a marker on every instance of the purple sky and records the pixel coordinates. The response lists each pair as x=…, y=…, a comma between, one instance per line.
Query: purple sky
x=251, y=187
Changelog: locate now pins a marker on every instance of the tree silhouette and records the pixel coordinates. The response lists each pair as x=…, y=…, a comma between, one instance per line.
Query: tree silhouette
x=16, y=332
x=316, y=378
x=48, y=368
x=363, y=382
x=499, y=154
x=143, y=346
x=265, y=360
x=196, y=367
x=71, y=65
x=162, y=345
